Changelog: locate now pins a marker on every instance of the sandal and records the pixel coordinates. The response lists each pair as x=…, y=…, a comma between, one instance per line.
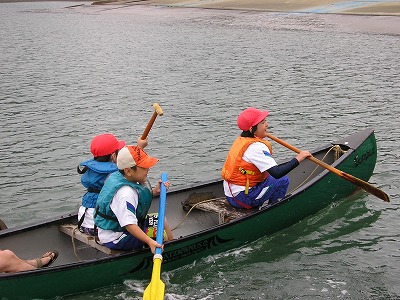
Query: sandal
x=53, y=254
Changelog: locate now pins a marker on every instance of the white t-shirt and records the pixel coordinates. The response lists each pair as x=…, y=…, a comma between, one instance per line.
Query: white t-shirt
x=259, y=155
x=124, y=205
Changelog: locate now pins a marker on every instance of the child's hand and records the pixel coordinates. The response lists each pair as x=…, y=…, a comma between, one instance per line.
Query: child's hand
x=303, y=155
x=153, y=245
x=167, y=184
x=157, y=189
x=142, y=143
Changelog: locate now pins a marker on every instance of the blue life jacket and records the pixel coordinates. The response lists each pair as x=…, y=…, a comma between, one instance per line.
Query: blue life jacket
x=94, y=174
x=104, y=217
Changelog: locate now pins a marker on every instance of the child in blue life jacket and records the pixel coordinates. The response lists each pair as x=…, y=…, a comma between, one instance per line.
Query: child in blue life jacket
x=104, y=148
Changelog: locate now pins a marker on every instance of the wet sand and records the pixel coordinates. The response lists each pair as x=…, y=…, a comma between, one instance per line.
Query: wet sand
x=379, y=16
x=377, y=8
x=354, y=7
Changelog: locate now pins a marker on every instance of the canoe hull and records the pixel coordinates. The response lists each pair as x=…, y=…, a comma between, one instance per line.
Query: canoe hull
x=96, y=270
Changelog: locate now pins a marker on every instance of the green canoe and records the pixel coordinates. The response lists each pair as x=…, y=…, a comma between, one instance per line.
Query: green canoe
x=204, y=223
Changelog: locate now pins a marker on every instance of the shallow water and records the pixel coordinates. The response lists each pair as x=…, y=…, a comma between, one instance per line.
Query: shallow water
x=68, y=74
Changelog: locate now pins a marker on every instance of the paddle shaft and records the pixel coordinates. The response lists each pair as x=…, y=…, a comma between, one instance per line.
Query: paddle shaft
x=157, y=111
x=161, y=212
x=357, y=181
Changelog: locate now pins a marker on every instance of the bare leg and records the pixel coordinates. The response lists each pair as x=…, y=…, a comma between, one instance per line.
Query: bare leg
x=9, y=262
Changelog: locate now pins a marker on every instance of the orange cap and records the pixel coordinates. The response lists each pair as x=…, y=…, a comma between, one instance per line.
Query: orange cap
x=130, y=156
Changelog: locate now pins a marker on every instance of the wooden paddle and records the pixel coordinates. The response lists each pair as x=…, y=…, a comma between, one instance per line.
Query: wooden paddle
x=357, y=181
x=2, y=225
x=155, y=290
x=157, y=112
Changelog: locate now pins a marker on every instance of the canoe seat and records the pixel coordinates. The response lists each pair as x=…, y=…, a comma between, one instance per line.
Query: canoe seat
x=207, y=202
x=73, y=232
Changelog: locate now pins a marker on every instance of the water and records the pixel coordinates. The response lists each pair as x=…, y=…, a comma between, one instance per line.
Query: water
x=68, y=74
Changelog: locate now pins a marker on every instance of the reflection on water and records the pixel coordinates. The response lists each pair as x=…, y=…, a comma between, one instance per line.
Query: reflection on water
x=69, y=74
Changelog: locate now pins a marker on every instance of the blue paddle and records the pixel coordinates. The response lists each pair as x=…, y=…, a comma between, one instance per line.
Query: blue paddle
x=155, y=290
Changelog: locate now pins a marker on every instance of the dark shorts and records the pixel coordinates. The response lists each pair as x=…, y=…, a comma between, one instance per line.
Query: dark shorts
x=88, y=231
x=128, y=242
x=270, y=189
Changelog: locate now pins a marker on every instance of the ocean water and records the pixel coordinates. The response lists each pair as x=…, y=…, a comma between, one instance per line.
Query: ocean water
x=70, y=71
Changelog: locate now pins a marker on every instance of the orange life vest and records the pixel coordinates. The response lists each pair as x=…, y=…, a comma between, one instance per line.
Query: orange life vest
x=240, y=172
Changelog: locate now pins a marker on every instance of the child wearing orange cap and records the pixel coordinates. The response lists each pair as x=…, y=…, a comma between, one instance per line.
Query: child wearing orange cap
x=251, y=175
x=104, y=148
x=124, y=202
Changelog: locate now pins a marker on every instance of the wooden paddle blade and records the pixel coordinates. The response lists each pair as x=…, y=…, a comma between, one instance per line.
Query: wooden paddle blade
x=367, y=187
x=156, y=289
x=158, y=109
x=357, y=181
x=2, y=225
x=157, y=112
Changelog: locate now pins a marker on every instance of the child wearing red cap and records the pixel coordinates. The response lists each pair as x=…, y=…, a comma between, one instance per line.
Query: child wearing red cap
x=104, y=148
x=251, y=175
x=124, y=202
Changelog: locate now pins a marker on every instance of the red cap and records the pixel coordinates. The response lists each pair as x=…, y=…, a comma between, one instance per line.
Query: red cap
x=105, y=144
x=250, y=117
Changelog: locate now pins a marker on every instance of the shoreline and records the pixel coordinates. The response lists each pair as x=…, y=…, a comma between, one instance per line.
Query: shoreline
x=377, y=8
x=291, y=17
x=355, y=7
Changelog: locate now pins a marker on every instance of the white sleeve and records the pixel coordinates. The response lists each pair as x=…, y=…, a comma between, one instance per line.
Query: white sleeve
x=258, y=154
x=124, y=205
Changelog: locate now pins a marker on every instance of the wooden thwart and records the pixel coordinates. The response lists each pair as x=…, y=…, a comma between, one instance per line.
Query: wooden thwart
x=71, y=230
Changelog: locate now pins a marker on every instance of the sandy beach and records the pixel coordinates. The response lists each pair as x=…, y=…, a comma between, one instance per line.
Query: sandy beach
x=379, y=16
x=352, y=7
x=369, y=16
x=377, y=8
